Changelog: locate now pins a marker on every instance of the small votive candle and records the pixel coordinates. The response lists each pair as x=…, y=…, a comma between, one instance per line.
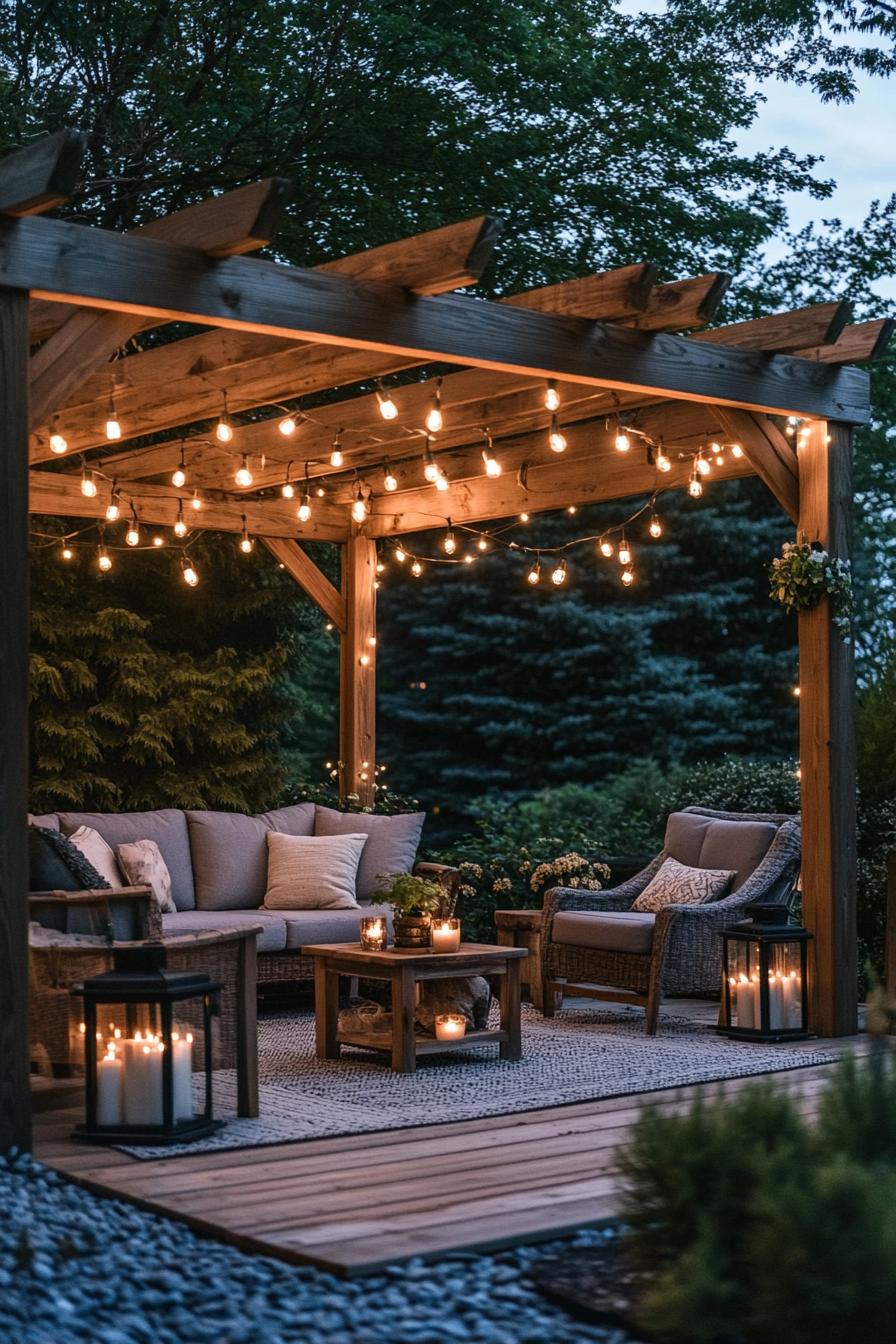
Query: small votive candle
x=450, y=1026
x=446, y=935
x=374, y=933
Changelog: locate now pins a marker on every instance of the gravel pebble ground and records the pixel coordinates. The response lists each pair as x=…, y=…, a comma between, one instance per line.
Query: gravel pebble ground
x=77, y=1269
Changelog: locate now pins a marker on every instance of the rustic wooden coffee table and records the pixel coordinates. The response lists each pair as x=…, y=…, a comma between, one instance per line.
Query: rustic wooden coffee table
x=404, y=971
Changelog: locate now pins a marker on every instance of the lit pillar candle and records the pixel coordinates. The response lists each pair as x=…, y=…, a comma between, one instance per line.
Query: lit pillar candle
x=776, y=1019
x=182, y=1071
x=143, y=1085
x=446, y=935
x=746, y=1003
x=109, y=1076
x=450, y=1026
x=793, y=1000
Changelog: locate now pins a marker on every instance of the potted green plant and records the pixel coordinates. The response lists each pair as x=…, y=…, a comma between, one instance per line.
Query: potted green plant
x=414, y=900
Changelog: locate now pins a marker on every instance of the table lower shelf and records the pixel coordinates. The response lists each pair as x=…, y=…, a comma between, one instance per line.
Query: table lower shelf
x=424, y=1045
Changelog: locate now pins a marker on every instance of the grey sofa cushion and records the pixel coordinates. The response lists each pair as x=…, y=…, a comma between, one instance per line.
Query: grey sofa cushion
x=167, y=826
x=391, y=846
x=273, y=929
x=328, y=926
x=610, y=931
x=741, y=845
x=49, y=821
x=230, y=856
x=685, y=832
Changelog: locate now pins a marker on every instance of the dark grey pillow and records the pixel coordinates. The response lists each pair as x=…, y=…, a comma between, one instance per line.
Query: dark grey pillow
x=55, y=864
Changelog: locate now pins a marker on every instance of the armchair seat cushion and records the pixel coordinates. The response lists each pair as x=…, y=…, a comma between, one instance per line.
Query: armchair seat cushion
x=607, y=931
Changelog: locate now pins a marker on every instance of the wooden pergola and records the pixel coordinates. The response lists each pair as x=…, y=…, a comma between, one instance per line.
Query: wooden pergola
x=73, y=298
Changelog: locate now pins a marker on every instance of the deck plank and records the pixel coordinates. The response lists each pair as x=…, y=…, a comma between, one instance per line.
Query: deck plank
x=355, y=1203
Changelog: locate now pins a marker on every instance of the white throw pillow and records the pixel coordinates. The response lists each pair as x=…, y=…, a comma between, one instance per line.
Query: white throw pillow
x=143, y=866
x=677, y=884
x=312, y=872
x=96, y=851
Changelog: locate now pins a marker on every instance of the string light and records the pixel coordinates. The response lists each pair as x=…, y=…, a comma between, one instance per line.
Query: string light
x=482, y=544
x=380, y=566
x=390, y=482
x=606, y=547
x=524, y=517
x=179, y=475
x=88, y=484
x=243, y=476
x=66, y=552
x=58, y=441
x=627, y=576
x=492, y=465
x=736, y=450
x=469, y=559
x=196, y=502
x=702, y=465
x=441, y=481
x=695, y=485
x=400, y=554
x=655, y=528
x=113, y=508
x=189, y=573
x=621, y=440
x=434, y=420
x=287, y=426
x=247, y=545
x=558, y=575
x=288, y=490
x=336, y=455
x=551, y=397
x=534, y=575
x=103, y=560
x=416, y=569
x=180, y=527
x=158, y=541
x=360, y=506
x=113, y=426
x=388, y=409
x=449, y=541
x=556, y=439
x=663, y=461
x=303, y=513
x=430, y=465
x=224, y=429
x=624, y=552
x=132, y=536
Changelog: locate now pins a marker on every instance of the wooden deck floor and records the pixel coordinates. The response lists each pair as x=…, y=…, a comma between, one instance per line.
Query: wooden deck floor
x=353, y=1204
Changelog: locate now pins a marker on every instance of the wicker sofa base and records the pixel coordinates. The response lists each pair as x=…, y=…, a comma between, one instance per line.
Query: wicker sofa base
x=274, y=967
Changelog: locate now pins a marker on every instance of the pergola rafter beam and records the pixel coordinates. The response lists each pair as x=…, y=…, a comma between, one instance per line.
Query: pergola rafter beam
x=65, y=261
x=299, y=565
x=41, y=175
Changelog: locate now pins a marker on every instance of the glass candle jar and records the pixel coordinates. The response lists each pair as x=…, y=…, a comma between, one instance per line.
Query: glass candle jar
x=450, y=1026
x=374, y=933
x=445, y=935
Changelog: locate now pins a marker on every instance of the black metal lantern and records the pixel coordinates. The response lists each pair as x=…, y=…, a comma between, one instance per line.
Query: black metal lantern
x=138, y=1075
x=764, y=977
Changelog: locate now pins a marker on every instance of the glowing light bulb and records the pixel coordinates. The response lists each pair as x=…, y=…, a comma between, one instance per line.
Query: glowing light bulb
x=400, y=555
x=113, y=428
x=58, y=442
x=416, y=569
x=703, y=466
x=492, y=465
x=104, y=560
x=178, y=478
x=196, y=502
x=469, y=559
x=434, y=419
x=736, y=450
x=224, y=429
x=551, y=399
x=442, y=482
x=288, y=490
x=622, y=442
x=360, y=507
x=304, y=510
x=113, y=509
x=67, y=552
x=132, y=536
x=364, y=660
x=180, y=527
x=627, y=576
x=625, y=552
x=287, y=426
x=558, y=575
x=88, y=484
x=190, y=575
x=380, y=567
x=247, y=545
x=695, y=487
x=336, y=454
x=243, y=476
x=556, y=439
x=534, y=575
x=388, y=409
x=656, y=528
x=449, y=543
x=524, y=517
x=430, y=467
x=663, y=463
x=606, y=547
x=158, y=541
x=390, y=482
x=482, y=544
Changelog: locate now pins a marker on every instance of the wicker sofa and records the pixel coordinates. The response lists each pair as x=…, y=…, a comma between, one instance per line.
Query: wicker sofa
x=593, y=943
x=218, y=867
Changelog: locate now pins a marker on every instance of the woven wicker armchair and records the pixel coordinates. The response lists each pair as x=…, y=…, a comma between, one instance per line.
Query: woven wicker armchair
x=639, y=957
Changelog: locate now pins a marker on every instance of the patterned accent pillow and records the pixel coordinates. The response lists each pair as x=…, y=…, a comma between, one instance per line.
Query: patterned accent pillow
x=143, y=866
x=676, y=884
x=96, y=851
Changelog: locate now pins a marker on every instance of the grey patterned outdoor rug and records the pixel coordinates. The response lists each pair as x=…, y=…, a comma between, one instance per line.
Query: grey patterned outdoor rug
x=578, y=1056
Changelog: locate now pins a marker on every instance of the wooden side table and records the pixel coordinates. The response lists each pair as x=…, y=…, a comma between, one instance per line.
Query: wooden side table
x=522, y=928
x=404, y=970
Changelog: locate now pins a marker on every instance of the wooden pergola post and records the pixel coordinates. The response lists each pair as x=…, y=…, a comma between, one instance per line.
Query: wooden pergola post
x=827, y=743
x=357, y=670
x=15, y=1096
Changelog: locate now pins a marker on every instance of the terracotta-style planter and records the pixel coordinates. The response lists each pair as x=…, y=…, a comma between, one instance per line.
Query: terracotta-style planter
x=412, y=931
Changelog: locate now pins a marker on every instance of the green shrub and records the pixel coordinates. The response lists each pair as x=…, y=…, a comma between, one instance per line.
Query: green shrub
x=750, y=1224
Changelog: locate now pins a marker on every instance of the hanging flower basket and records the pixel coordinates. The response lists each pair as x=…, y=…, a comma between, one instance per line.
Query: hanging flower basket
x=804, y=574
